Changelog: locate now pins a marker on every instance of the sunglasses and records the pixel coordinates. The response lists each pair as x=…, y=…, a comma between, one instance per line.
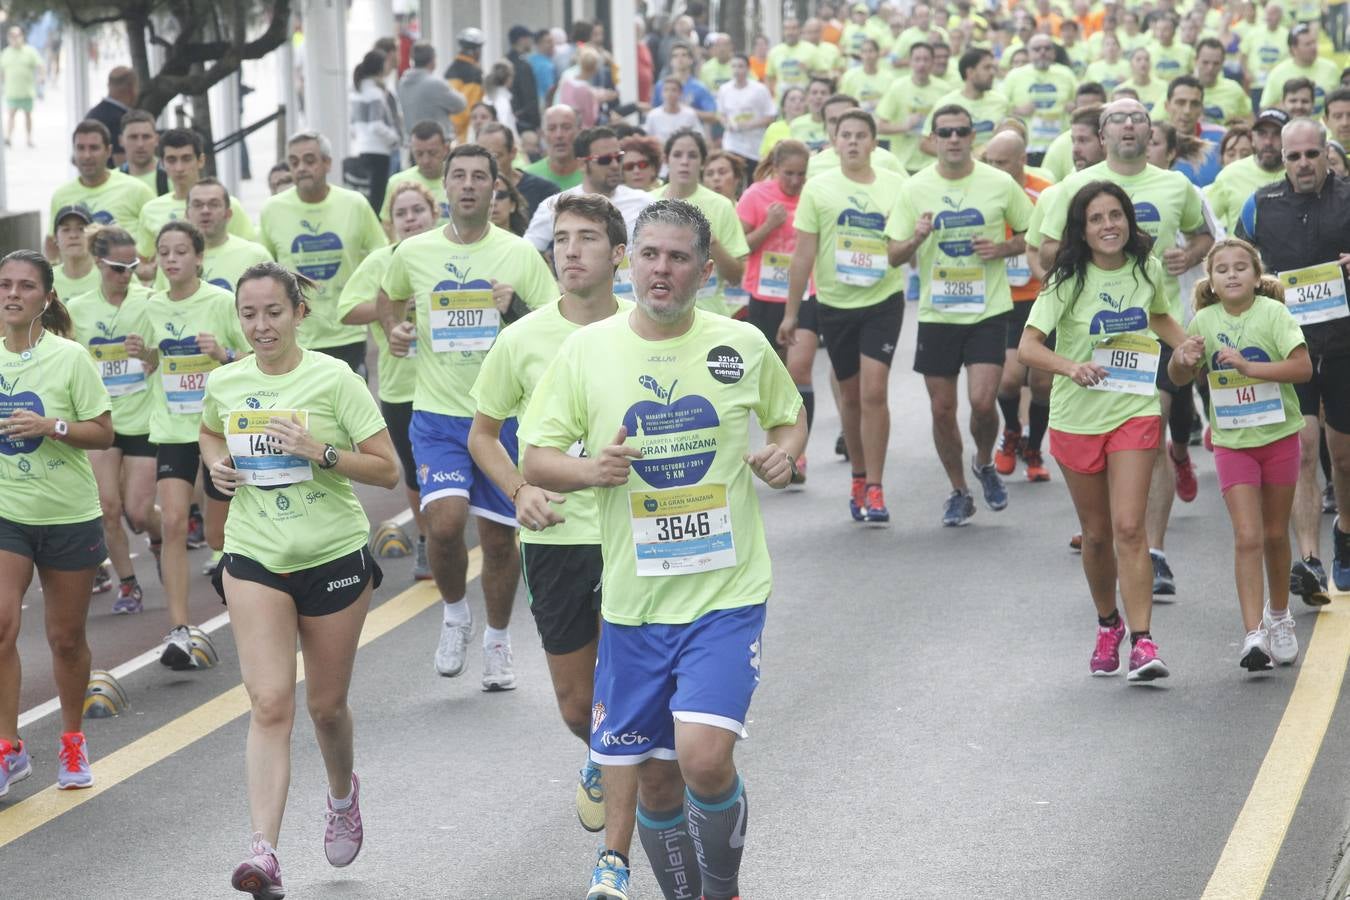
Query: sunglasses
x=607, y=160
x=960, y=131
x=121, y=268
x=637, y=165
x=1306, y=154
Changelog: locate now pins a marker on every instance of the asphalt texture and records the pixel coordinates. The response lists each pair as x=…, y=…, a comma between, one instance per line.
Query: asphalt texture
x=926, y=728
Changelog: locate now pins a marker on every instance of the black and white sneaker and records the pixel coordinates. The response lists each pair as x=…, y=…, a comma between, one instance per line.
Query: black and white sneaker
x=1164, y=583
x=177, y=652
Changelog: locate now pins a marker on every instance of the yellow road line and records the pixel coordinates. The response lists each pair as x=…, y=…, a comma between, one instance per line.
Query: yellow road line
x=1247, y=858
x=141, y=754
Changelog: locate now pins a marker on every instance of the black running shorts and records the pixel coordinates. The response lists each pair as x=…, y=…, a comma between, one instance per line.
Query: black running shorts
x=943, y=348
x=320, y=591
x=562, y=584
x=851, y=334
x=1329, y=389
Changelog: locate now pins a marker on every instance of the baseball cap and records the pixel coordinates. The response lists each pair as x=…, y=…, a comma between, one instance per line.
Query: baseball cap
x=1277, y=117
x=517, y=32
x=72, y=209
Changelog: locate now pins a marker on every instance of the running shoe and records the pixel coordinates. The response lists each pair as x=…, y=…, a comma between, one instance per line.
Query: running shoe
x=177, y=653
x=210, y=568
x=16, y=758
x=103, y=580
x=1256, y=651
x=1005, y=457
x=799, y=476
x=1076, y=542
x=1283, y=641
x=1164, y=582
x=609, y=881
x=1329, y=500
x=421, y=565
x=1106, y=655
x=260, y=874
x=591, y=798
x=1036, y=470
x=1340, y=565
x=196, y=536
x=452, y=648
x=129, y=600
x=499, y=672
x=995, y=494
x=857, y=498
x=1184, y=472
x=1145, y=664
x=1308, y=580
x=841, y=446
x=73, y=772
x=958, y=509
x=876, y=510
x=343, y=834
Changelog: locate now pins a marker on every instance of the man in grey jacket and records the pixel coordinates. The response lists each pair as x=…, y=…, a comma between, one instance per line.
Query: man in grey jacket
x=424, y=95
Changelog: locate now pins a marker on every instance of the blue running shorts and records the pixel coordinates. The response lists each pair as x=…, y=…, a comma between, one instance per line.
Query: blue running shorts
x=445, y=468
x=647, y=676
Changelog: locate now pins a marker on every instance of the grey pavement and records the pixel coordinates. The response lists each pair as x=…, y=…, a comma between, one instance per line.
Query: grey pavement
x=926, y=728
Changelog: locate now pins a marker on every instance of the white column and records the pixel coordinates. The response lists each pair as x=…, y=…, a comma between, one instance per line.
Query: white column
x=623, y=38
x=490, y=20
x=226, y=119
x=438, y=30
x=773, y=20
x=382, y=18
x=326, y=75
x=75, y=71
x=285, y=56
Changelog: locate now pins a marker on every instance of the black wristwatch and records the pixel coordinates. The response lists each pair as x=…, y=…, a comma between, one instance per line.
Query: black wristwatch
x=330, y=457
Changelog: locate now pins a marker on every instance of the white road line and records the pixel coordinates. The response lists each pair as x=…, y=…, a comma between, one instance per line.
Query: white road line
x=135, y=664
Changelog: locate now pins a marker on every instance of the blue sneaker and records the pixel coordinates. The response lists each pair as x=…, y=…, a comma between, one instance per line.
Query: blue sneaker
x=876, y=505
x=609, y=881
x=995, y=494
x=74, y=772
x=958, y=510
x=857, y=498
x=1340, y=563
x=14, y=765
x=591, y=799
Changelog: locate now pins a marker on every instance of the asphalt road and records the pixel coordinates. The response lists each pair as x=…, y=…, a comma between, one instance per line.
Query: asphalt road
x=926, y=728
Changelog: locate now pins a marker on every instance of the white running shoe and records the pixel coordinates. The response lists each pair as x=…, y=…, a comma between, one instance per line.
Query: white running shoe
x=499, y=673
x=1256, y=651
x=452, y=648
x=1283, y=641
x=177, y=650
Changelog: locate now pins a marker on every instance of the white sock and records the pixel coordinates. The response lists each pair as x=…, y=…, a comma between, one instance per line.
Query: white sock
x=496, y=636
x=344, y=803
x=456, y=613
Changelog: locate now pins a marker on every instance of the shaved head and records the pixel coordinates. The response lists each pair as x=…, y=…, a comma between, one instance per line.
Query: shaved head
x=1007, y=151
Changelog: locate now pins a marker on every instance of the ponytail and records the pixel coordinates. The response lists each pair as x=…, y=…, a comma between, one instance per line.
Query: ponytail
x=1205, y=296
x=1271, y=287
x=780, y=152
x=56, y=318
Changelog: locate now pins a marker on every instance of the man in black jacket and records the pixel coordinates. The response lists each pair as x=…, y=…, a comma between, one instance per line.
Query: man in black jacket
x=1301, y=225
x=524, y=90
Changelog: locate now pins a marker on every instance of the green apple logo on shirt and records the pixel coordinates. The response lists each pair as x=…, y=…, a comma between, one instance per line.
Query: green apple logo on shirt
x=11, y=401
x=318, y=254
x=677, y=437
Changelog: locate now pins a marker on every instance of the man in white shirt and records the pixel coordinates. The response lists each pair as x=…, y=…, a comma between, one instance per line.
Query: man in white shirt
x=672, y=115
x=746, y=109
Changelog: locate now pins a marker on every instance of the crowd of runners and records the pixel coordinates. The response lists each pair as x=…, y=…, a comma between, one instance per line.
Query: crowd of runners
x=592, y=326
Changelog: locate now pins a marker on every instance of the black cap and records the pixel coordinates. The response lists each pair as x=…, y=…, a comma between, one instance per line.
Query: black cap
x=1277, y=117
x=72, y=209
x=517, y=32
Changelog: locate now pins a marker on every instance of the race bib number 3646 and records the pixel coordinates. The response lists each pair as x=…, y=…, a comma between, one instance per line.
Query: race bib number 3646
x=681, y=531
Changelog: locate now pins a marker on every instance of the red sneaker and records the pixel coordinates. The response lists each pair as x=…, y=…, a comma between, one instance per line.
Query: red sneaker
x=1184, y=469
x=1005, y=457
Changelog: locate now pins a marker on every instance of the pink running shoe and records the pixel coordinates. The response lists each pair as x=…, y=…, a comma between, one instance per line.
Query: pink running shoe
x=342, y=838
x=1145, y=664
x=1106, y=658
x=260, y=874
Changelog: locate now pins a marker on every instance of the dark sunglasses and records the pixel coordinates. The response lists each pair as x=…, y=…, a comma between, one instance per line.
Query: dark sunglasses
x=960, y=131
x=1306, y=154
x=121, y=268
x=607, y=160
x=637, y=165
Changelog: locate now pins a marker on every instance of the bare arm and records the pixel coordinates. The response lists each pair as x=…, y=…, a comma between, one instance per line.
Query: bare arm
x=534, y=508
x=89, y=434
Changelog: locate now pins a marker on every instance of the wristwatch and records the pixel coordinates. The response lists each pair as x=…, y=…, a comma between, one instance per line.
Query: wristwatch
x=229, y=356
x=61, y=428
x=330, y=457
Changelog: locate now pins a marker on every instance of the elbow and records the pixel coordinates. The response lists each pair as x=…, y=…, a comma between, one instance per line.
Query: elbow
x=105, y=437
x=391, y=477
x=1305, y=371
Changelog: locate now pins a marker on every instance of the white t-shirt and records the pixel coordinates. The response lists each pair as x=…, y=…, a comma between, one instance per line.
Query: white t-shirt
x=750, y=102
x=661, y=124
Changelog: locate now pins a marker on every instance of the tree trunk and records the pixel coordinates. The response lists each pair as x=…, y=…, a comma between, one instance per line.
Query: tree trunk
x=732, y=21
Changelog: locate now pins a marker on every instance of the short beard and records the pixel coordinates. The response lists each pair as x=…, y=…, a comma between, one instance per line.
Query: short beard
x=666, y=315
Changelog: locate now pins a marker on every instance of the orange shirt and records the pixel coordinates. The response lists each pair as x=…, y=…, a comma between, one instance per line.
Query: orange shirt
x=1033, y=185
